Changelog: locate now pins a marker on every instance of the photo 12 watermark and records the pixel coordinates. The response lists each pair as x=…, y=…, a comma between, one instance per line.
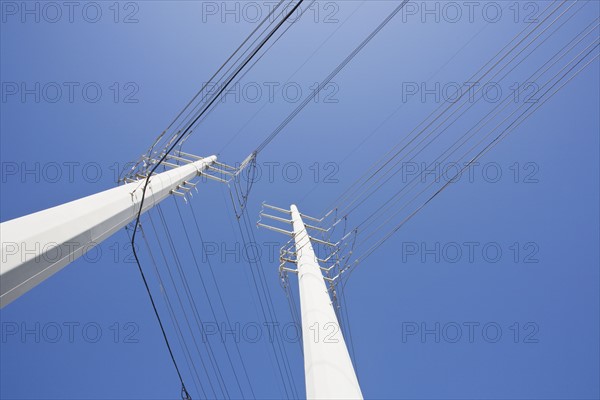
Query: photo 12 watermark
x=518, y=172
x=469, y=252
x=69, y=332
x=454, y=12
x=470, y=92
x=272, y=92
x=254, y=12
x=71, y=92
x=469, y=332
x=69, y=12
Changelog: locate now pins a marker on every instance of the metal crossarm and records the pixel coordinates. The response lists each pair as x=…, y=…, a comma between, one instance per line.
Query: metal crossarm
x=275, y=229
x=287, y=221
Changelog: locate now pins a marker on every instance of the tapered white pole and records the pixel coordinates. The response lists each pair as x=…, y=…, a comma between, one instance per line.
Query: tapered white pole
x=328, y=368
x=36, y=246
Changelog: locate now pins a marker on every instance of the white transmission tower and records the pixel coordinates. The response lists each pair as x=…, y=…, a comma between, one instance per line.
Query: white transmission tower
x=328, y=369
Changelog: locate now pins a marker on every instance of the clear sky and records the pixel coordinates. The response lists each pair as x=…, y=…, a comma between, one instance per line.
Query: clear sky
x=528, y=319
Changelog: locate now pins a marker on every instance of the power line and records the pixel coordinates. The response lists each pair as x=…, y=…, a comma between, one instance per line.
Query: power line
x=220, y=296
x=392, y=153
x=544, y=68
x=522, y=117
x=207, y=295
x=192, y=303
x=174, y=321
x=268, y=302
x=147, y=181
x=328, y=79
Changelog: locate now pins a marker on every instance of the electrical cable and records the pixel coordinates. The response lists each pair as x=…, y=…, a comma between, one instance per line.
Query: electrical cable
x=185, y=393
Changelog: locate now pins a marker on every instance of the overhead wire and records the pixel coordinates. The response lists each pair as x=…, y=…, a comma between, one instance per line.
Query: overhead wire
x=377, y=166
x=196, y=263
x=538, y=45
x=268, y=301
x=209, y=379
x=328, y=79
x=162, y=159
x=192, y=303
x=212, y=78
x=288, y=80
x=180, y=302
x=284, y=368
x=256, y=60
x=442, y=108
x=454, y=111
x=454, y=106
x=188, y=357
x=210, y=267
x=520, y=119
x=507, y=102
x=275, y=365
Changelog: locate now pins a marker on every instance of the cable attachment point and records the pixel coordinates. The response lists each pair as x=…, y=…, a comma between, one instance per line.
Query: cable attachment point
x=184, y=393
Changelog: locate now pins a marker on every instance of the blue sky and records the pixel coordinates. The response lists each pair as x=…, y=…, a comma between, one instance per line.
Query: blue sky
x=544, y=298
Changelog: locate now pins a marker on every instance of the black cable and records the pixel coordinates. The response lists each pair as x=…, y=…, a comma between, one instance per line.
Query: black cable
x=238, y=59
x=162, y=328
x=192, y=302
x=250, y=68
x=214, y=76
x=174, y=320
x=137, y=220
x=168, y=268
x=291, y=76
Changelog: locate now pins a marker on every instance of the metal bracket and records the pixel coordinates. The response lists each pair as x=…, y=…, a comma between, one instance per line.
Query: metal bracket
x=337, y=260
x=218, y=171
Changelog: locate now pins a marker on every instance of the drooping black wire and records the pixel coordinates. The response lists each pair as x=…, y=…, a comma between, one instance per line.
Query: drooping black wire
x=164, y=257
x=162, y=328
x=174, y=320
x=147, y=181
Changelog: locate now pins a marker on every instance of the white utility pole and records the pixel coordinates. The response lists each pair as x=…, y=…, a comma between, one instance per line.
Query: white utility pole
x=36, y=246
x=328, y=368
